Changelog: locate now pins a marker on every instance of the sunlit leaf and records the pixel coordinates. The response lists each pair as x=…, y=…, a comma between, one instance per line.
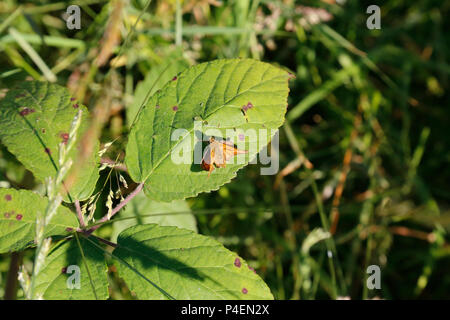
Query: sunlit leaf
x=18, y=212
x=167, y=262
x=234, y=97
x=34, y=119
x=57, y=280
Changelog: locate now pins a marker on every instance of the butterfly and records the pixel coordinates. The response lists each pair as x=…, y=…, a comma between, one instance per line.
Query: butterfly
x=218, y=153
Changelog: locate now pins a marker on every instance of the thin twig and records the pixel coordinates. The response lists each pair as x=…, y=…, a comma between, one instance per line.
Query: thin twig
x=117, y=208
x=331, y=246
x=79, y=213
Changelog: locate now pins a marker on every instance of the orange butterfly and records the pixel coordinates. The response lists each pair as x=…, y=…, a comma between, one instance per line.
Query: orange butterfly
x=218, y=152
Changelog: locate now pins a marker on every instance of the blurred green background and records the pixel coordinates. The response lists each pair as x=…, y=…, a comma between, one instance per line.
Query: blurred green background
x=365, y=144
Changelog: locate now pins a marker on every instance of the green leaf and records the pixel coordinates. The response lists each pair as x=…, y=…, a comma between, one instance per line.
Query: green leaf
x=214, y=93
x=34, y=119
x=18, y=211
x=166, y=262
x=53, y=282
x=154, y=80
x=10, y=169
x=142, y=210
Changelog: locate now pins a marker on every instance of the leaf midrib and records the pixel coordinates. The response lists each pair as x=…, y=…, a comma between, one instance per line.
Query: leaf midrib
x=207, y=117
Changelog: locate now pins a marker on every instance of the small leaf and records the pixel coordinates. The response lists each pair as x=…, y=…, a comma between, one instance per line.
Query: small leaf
x=18, y=211
x=34, y=119
x=53, y=283
x=142, y=210
x=183, y=265
x=215, y=93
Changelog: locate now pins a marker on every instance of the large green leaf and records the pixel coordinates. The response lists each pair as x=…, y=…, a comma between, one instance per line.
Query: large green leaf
x=34, y=119
x=166, y=262
x=214, y=93
x=142, y=210
x=53, y=282
x=18, y=211
x=154, y=80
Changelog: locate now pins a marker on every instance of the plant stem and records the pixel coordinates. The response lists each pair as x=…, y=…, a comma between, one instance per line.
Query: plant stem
x=79, y=213
x=11, y=280
x=292, y=239
x=178, y=24
x=118, y=207
x=109, y=243
x=331, y=247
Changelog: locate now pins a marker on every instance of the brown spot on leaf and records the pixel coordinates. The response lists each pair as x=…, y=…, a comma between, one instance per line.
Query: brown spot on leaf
x=252, y=269
x=175, y=108
x=75, y=106
x=64, y=270
x=8, y=197
x=174, y=78
x=237, y=262
x=48, y=151
x=19, y=217
x=26, y=111
x=7, y=215
x=72, y=99
x=244, y=291
x=69, y=229
x=43, y=130
x=247, y=107
x=65, y=137
x=157, y=106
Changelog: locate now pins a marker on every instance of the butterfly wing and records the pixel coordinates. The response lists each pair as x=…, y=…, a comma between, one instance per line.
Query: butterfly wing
x=218, y=153
x=207, y=155
x=207, y=161
x=229, y=151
